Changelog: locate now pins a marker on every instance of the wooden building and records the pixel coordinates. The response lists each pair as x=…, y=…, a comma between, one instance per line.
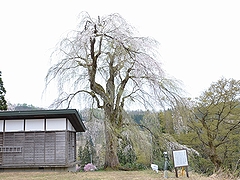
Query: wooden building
x=39, y=139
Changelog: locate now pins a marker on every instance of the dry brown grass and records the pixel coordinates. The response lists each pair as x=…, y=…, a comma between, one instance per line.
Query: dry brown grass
x=99, y=175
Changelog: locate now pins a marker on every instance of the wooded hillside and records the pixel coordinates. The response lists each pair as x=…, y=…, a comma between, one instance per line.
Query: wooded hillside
x=208, y=127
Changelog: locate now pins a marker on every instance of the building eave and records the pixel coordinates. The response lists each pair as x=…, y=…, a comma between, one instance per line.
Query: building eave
x=71, y=114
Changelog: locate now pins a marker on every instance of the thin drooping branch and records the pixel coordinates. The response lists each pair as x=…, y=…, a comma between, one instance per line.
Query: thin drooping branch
x=106, y=61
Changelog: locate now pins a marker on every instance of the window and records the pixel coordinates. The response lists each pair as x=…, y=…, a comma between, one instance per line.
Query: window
x=11, y=149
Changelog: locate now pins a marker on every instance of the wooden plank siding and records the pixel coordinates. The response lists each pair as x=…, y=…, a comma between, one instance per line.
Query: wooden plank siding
x=71, y=147
x=44, y=139
x=1, y=144
x=39, y=149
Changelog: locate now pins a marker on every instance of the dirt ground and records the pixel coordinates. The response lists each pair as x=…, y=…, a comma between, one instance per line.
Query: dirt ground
x=101, y=175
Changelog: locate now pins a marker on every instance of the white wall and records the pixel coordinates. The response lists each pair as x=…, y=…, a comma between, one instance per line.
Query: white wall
x=56, y=124
x=34, y=125
x=70, y=127
x=1, y=125
x=14, y=125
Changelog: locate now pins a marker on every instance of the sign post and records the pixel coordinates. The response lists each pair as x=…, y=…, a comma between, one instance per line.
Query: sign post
x=165, y=164
x=180, y=159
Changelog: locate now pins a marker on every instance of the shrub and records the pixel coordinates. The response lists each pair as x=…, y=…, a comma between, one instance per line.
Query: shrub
x=89, y=167
x=201, y=165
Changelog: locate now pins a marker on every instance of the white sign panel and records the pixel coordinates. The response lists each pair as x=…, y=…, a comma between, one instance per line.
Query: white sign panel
x=180, y=158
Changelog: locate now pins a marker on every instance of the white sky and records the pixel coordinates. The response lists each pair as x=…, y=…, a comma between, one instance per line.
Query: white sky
x=200, y=39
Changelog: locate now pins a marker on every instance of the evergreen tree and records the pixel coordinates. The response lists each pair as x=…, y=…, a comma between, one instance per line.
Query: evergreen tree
x=3, y=102
x=86, y=153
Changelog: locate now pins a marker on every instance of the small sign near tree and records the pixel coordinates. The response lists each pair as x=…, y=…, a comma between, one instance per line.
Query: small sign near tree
x=180, y=159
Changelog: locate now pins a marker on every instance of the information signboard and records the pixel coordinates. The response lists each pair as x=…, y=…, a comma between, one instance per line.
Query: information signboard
x=180, y=158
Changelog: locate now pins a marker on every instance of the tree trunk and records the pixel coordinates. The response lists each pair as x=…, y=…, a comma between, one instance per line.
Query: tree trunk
x=216, y=161
x=111, y=158
x=214, y=157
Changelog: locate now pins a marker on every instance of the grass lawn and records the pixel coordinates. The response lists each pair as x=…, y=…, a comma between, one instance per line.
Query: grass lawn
x=97, y=175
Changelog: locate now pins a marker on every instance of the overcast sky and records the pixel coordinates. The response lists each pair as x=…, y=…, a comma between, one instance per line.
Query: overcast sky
x=200, y=39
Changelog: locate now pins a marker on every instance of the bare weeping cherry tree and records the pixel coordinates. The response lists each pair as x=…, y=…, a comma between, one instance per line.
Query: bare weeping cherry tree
x=103, y=60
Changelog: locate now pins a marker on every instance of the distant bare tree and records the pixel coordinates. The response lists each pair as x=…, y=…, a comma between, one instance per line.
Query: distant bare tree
x=105, y=61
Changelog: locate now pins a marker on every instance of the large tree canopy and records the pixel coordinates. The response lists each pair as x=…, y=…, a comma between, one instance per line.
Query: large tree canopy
x=104, y=60
x=3, y=102
x=216, y=119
